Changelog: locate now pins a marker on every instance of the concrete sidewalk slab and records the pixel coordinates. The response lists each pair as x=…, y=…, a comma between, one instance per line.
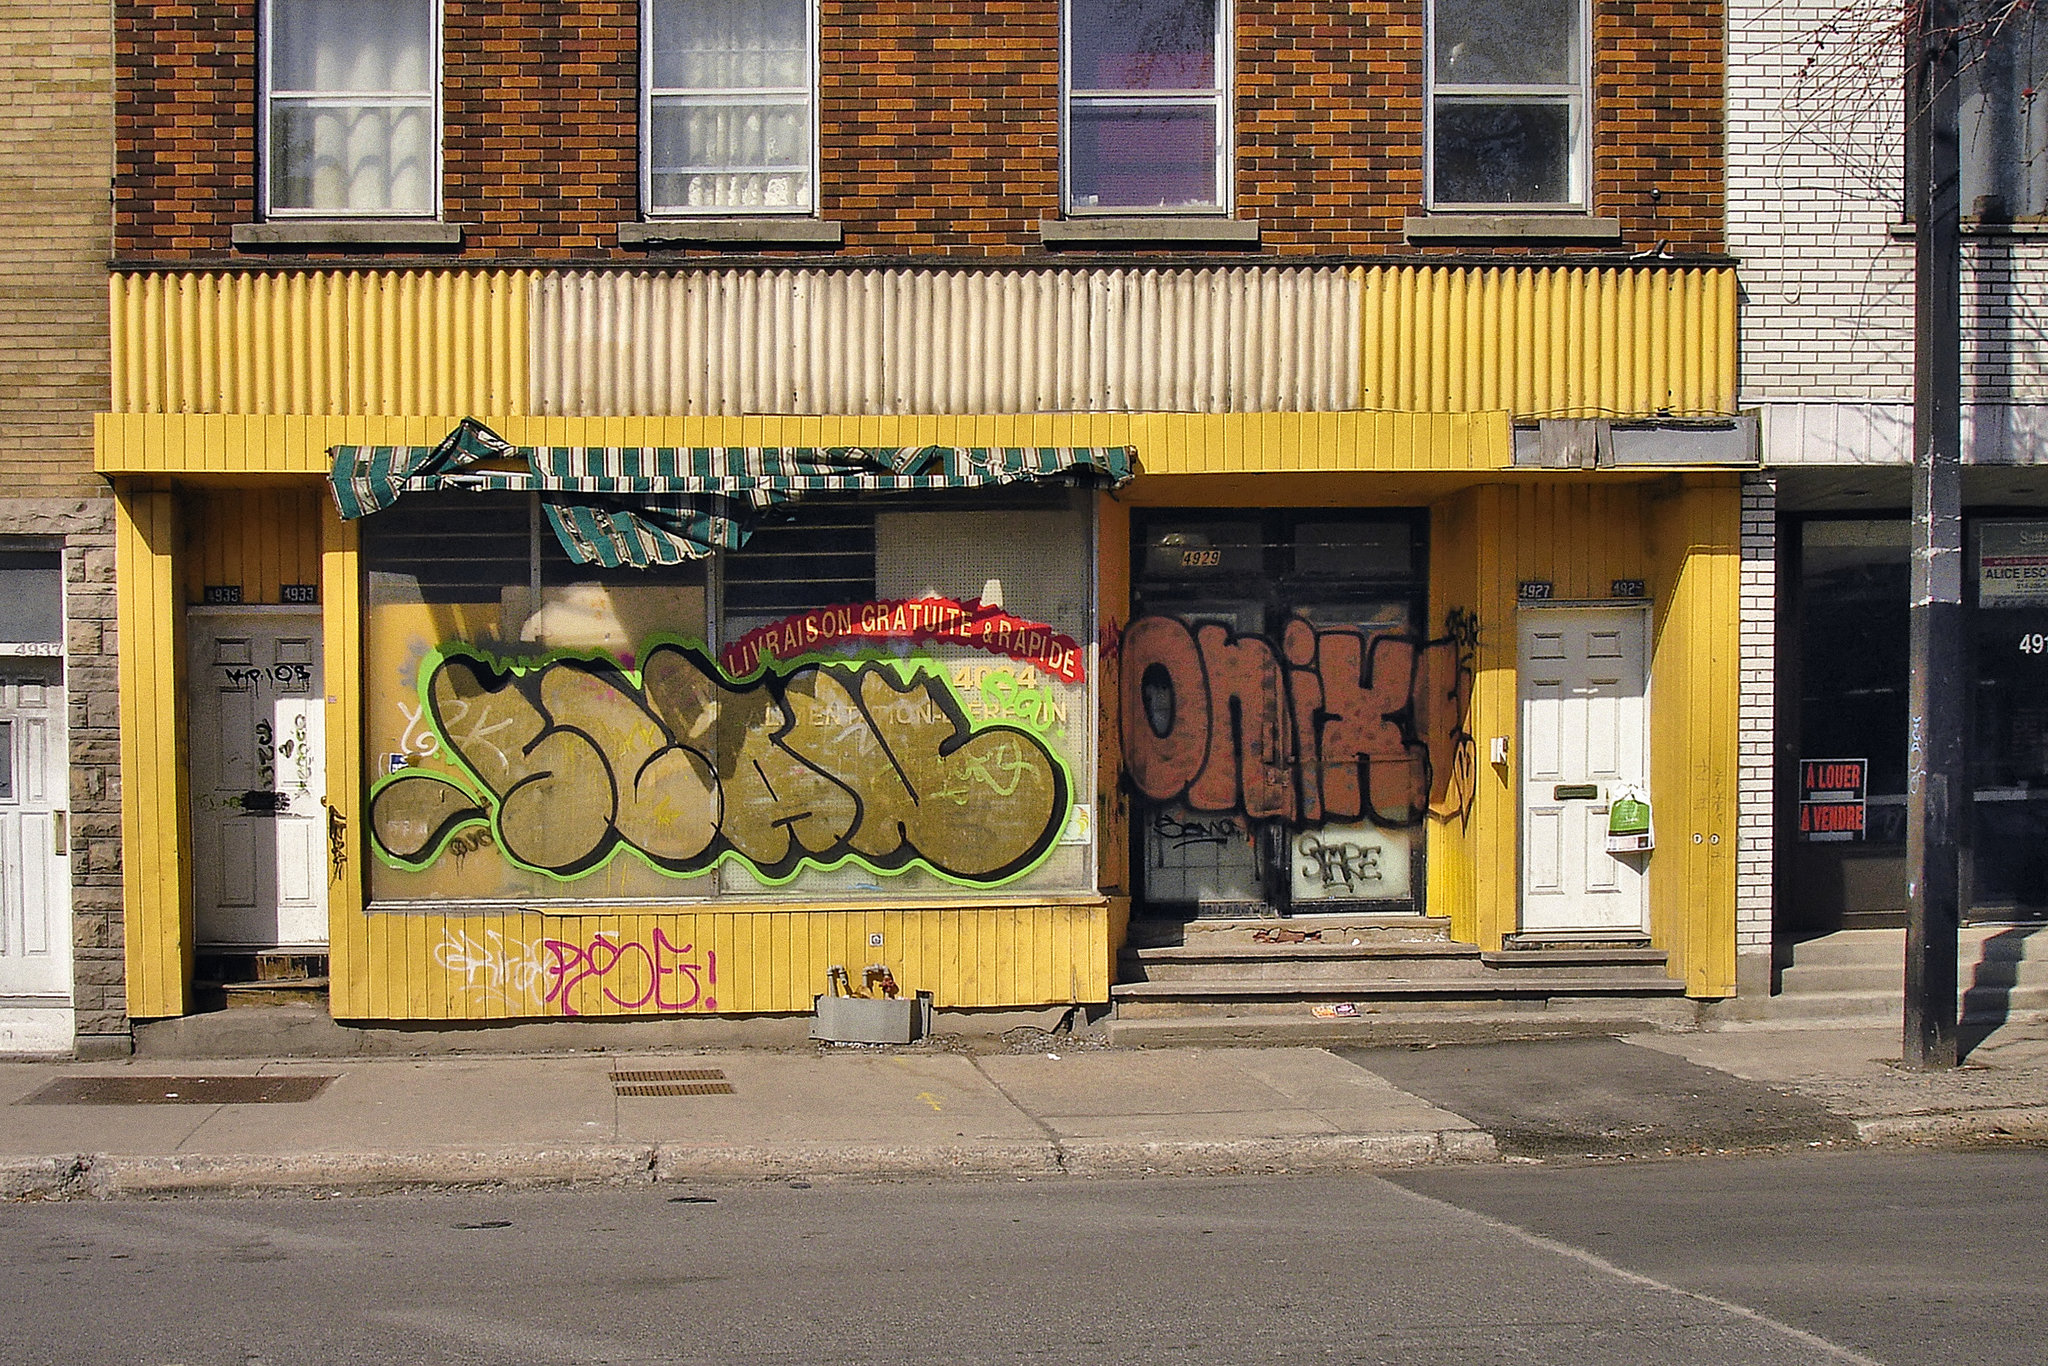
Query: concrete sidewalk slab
x=2000, y=1091
x=1239, y=1093
x=832, y=1100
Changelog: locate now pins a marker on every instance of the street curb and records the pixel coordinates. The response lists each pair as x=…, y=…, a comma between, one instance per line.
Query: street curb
x=104, y=1177
x=2020, y=1121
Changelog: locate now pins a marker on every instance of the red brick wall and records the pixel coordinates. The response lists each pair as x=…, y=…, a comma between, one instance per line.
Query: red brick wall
x=940, y=125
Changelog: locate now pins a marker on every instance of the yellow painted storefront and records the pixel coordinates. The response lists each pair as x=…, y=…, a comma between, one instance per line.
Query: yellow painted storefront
x=234, y=389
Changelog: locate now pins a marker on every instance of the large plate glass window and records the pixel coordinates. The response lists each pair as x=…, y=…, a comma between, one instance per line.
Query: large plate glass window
x=1507, y=104
x=729, y=122
x=351, y=122
x=1147, y=117
x=875, y=698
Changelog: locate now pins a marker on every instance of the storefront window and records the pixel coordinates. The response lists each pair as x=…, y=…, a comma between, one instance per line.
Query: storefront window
x=2008, y=753
x=1273, y=727
x=879, y=698
x=1852, y=658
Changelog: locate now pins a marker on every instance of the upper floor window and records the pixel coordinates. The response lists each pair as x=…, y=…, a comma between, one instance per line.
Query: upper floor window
x=2002, y=119
x=729, y=122
x=351, y=119
x=1147, y=116
x=1507, y=104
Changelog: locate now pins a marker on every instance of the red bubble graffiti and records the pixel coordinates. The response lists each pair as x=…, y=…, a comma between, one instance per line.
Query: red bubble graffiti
x=1337, y=724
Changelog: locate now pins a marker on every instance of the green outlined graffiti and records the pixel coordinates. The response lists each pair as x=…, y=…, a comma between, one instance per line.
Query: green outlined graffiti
x=571, y=760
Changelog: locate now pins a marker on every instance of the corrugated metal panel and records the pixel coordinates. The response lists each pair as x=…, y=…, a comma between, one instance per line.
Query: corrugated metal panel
x=1550, y=341
x=377, y=342
x=1167, y=443
x=946, y=341
x=1824, y=433
x=525, y=965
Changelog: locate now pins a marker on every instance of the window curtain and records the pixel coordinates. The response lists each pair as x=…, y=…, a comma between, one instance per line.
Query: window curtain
x=730, y=110
x=352, y=126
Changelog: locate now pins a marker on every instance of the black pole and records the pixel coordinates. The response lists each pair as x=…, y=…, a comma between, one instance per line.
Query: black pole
x=1935, y=772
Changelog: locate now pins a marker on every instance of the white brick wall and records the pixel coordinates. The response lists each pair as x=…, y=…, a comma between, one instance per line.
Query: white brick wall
x=1815, y=187
x=1756, y=742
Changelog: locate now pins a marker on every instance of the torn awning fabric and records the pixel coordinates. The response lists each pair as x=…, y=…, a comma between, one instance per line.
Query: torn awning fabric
x=638, y=506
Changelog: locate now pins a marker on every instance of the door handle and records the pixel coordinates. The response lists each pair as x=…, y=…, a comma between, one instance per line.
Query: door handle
x=60, y=832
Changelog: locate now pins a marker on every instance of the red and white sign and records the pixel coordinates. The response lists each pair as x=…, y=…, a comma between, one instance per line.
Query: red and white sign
x=924, y=621
x=1831, y=799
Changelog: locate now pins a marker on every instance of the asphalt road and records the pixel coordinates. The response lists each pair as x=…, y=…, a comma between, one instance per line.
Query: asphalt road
x=1832, y=1257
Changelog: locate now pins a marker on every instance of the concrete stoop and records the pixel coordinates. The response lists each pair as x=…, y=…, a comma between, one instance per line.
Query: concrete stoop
x=1311, y=979
x=1857, y=978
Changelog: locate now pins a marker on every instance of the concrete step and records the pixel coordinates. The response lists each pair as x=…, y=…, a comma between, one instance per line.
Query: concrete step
x=1307, y=962
x=1290, y=993
x=275, y=991
x=1327, y=930
x=1413, y=1025
x=1808, y=978
x=1629, y=959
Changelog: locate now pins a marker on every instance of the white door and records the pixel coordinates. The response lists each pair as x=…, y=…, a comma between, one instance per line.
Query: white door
x=259, y=762
x=1584, y=742
x=35, y=867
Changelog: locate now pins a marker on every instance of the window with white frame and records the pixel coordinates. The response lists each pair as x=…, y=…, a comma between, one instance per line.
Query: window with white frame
x=352, y=120
x=729, y=122
x=1147, y=116
x=1507, y=104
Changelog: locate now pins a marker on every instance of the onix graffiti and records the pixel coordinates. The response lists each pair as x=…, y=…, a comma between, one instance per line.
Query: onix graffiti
x=654, y=975
x=570, y=761
x=1325, y=725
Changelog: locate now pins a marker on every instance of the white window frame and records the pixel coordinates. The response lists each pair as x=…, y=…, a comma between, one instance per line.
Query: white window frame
x=354, y=100
x=1576, y=97
x=1221, y=95
x=649, y=93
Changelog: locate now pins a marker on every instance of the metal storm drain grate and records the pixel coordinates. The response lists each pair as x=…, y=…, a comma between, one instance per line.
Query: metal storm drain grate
x=178, y=1091
x=672, y=1081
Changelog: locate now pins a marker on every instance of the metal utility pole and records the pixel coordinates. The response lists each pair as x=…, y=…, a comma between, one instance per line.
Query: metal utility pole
x=1935, y=773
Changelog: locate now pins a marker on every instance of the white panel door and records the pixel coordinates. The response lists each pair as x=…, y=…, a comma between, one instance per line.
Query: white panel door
x=35, y=868
x=1584, y=742
x=259, y=761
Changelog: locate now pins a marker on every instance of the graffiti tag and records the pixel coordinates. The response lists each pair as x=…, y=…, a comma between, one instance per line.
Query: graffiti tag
x=1335, y=725
x=569, y=761
x=654, y=975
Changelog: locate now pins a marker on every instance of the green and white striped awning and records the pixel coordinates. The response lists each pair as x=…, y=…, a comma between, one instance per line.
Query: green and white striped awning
x=648, y=505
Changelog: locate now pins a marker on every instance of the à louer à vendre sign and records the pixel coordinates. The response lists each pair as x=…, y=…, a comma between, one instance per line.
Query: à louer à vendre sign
x=922, y=621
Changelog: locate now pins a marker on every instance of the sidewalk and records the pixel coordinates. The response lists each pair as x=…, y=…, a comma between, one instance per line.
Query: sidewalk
x=1079, y=1109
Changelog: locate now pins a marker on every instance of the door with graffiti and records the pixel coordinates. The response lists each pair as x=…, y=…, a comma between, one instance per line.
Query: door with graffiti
x=259, y=822
x=1275, y=730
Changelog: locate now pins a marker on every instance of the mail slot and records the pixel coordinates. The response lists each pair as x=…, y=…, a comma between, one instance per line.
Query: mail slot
x=1575, y=792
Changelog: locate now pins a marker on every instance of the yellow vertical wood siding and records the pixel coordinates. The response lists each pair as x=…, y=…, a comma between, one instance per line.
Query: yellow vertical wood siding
x=156, y=875
x=256, y=538
x=1695, y=534
x=1167, y=443
x=350, y=965
x=381, y=342
x=1541, y=341
x=524, y=965
x=1680, y=536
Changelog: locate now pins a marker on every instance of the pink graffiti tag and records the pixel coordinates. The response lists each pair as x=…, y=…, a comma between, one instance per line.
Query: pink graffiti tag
x=660, y=960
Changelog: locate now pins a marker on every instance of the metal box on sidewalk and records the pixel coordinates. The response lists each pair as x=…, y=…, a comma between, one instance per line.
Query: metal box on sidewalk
x=872, y=1019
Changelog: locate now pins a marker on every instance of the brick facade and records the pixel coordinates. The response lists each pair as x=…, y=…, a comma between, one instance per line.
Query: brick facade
x=940, y=126
x=55, y=131
x=56, y=159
